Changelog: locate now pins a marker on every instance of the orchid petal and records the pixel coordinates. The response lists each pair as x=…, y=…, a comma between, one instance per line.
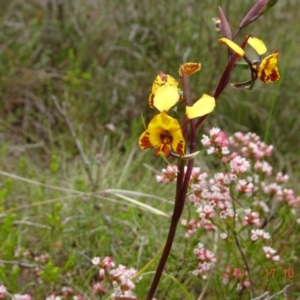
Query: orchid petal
x=165, y=97
x=233, y=46
x=258, y=45
x=202, y=107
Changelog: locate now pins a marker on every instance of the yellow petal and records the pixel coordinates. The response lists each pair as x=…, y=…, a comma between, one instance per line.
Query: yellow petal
x=233, y=46
x=202, y=107
x=178, y=143
x=161, y=79
x=149, y=139
x=258, y=45
x=189, y=68
x=165, y=97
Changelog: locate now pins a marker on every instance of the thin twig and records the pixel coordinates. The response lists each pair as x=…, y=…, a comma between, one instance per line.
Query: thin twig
x=261, y=297
x=243, y=257
x=19, y=263
x=85, y=160
x=31, y=224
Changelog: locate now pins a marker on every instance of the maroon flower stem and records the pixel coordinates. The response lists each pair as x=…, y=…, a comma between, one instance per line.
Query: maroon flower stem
x=222, y=83
x=178, y=208
x=221, y=86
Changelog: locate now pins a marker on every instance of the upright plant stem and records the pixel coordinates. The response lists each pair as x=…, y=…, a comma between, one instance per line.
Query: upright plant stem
x=179, y=204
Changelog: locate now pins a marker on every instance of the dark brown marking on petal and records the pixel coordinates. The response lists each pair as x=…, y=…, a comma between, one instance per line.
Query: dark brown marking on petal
x=274, y=75
x=180, y=148
x=144, y=141
x=151, y=100
x=163, y=149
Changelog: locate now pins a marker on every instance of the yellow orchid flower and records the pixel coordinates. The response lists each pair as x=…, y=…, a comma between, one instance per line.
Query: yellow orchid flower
x=203, y=106
x=164, y=134
x=266, y=69
x=161, y=80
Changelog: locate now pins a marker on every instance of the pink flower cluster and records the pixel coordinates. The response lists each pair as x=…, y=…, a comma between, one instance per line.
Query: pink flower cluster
x=168, y=175
x=122, y=279
x=21, y=297
x=270, y=254
x=66, y=293
x=251, y=218
x=259, y=233
x=216, y=143
x=4, y=293
x=235, y=274
x=207, y=260
x=251, y=146
x=104, y=265
x=246, y=196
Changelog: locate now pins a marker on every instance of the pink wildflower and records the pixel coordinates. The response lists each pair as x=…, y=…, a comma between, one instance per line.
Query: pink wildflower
x=223, y=235
x=263, y=167
x=288, y=196
x=2, y=291
x=207, y=261
x=67, y=291
x=204, y=254
x=259, y=233
x=206, y=224
x=236, y=274
x=239, y=165
x=21, y=297
x=269, y=252
x=280, y=178
x=247, y=283
x=223, y=179
x=168, y=175
x=53, y=297
x=226, y=160
x=122, y=280
x=119, y=294
x=217, y=142
x=198, y=192
x=96, y=261
x=43, y=258
x=98, y=288
x=190, y=227
x=245, y=187
x=206, y=211
x=262, y=205
x=271, y=189
x=251, y=145
x=251, y=218
x=197, y=177
x=106, y=264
